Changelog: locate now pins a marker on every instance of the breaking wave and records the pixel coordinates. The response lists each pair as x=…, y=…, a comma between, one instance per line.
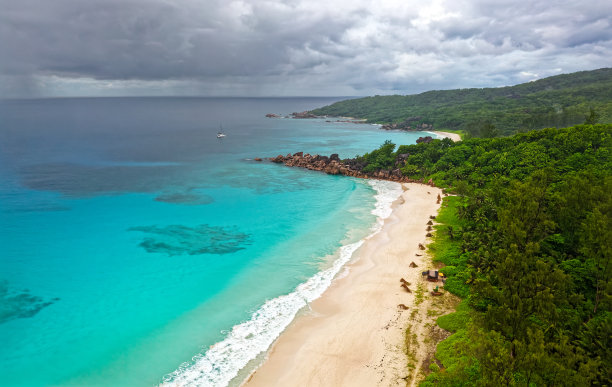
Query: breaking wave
x=223, y=360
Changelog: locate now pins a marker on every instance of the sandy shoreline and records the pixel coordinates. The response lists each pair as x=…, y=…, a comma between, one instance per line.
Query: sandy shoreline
x=354, y=334
x=453, y=136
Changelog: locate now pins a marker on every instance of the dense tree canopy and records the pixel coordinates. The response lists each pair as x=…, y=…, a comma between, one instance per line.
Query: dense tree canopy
x=558, y=101
x=529, y=247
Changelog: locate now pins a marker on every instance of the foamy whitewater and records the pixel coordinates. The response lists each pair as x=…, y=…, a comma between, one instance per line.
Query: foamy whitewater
x=222, y=362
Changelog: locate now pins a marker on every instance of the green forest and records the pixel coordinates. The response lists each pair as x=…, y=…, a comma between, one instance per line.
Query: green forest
x=558, y=101
x=526, y=237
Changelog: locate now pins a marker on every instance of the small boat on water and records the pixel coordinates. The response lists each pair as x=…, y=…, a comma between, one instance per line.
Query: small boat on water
x=220, y=133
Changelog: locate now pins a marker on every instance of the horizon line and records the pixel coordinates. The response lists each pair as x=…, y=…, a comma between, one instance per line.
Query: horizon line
x=177, y=96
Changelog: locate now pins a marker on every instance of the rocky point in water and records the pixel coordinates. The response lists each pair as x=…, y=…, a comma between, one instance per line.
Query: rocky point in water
x=426, y=140
x=350, y=167
x=305, y=114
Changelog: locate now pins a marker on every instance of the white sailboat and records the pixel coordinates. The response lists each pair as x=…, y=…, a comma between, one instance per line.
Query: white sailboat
x=220, y=133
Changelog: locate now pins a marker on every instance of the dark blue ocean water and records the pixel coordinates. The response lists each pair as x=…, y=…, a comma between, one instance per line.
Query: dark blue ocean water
x=132, y=239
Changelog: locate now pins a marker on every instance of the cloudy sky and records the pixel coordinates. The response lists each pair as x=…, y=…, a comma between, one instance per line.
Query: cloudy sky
x=293, y=47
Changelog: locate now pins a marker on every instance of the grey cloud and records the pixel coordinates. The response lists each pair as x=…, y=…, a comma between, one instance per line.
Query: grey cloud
x=262, y=46
x=599, y=31
x=463, y=28
x=109, y=39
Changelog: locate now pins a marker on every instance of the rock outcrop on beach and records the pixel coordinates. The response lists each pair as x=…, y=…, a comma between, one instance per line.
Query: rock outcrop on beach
x=332, y=165
x=426, y=140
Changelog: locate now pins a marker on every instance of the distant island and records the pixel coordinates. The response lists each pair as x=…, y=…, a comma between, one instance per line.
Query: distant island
x=558, y=101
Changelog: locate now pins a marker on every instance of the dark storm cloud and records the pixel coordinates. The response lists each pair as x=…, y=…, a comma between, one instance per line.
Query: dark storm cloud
x=109, y=39
x=293, y=47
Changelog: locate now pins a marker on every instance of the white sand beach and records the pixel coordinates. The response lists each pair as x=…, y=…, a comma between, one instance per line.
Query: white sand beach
x=355, y=333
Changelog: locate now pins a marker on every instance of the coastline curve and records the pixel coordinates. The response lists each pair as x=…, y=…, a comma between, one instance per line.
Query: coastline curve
x=222, y=362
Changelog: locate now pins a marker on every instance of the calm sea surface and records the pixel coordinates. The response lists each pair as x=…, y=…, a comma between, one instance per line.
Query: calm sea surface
x=136, y=248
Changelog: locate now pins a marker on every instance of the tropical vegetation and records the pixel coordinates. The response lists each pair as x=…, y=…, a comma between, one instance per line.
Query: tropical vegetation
x=557, y=101
x=526, y=237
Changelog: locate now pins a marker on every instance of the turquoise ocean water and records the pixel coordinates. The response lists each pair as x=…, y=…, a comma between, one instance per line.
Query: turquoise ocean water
x=136, y=248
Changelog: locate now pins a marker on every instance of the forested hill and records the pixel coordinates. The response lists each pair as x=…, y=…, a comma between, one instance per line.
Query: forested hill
x=558, y=101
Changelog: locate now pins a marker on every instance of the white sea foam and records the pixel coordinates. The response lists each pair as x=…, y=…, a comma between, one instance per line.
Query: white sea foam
x=222, y=362
x=386, y=193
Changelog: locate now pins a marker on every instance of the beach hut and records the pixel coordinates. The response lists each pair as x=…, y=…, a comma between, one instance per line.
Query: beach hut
x=432, y=275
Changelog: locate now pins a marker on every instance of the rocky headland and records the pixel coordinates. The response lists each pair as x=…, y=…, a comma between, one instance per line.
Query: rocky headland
x=299, y=115
x=302, y=115
x=411, y=123
x=332, y=165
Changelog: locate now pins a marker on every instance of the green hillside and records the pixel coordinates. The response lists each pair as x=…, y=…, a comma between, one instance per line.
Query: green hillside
x=558, y=101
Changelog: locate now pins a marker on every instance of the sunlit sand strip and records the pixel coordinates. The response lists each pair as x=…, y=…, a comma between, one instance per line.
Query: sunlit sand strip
x=354, y=333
